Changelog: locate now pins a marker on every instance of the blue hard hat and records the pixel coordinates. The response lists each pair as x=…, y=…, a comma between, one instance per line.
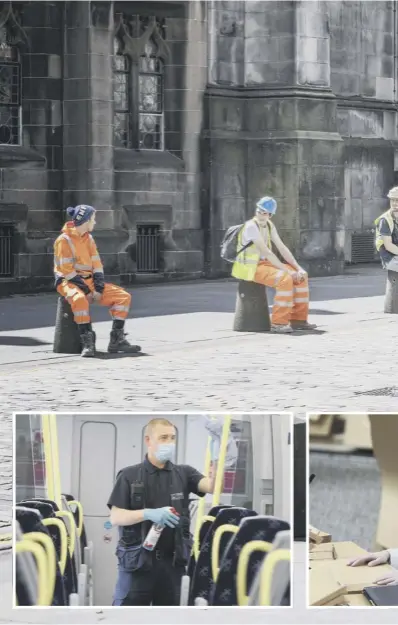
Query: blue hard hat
x=267, y=205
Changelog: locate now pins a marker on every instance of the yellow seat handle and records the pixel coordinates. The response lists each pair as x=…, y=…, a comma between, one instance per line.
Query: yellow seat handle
x=47, y=544
x=64, y=540
x=72, y=529
x=79, y=508
x=215, y=548
x=243, y=563
x=267, y=572
x=195, y=549
x=29, y=546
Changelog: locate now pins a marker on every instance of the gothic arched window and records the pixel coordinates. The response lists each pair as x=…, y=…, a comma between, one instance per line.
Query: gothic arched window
x=10, y=94
x=138, y=72
x=151, y=110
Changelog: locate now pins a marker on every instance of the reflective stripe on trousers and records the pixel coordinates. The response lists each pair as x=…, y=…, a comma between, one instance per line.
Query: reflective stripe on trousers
x=114, y=297
x=291, y=301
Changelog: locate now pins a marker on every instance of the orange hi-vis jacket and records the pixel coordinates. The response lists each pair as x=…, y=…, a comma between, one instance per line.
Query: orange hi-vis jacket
x=75, y=255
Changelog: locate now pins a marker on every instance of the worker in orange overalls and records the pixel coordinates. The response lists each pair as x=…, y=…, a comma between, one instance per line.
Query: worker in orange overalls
x=256, y=262
x=79, y=277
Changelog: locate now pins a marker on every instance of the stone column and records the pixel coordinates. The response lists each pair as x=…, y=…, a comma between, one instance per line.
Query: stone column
x=312, y=62
x=88, y=108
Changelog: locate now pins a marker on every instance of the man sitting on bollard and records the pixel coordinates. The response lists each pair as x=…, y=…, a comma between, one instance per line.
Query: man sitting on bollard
x=387, y=233
x=257, y=263
x=79, y=277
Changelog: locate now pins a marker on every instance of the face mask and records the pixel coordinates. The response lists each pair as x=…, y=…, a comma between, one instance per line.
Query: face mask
x=165, y=452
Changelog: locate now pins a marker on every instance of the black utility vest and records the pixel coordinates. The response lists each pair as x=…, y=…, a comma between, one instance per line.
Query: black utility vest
x=134, y=535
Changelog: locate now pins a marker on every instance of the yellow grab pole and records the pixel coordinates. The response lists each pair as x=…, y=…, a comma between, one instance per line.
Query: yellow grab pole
x=201, y=505
x=48, y=457
x=219, y=482
x=55, y=452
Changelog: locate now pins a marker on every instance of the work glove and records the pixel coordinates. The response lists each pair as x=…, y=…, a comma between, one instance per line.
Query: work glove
x=79, y=282
x=214, y=428
x=371, y=559
x=161, y=516
x=99, y=282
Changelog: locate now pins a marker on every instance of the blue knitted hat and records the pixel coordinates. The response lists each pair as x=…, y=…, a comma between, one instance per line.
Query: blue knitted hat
x=80, y=214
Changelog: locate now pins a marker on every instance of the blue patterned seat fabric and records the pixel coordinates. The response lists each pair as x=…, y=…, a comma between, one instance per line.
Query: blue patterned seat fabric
x=202, y=581
x=255, y=528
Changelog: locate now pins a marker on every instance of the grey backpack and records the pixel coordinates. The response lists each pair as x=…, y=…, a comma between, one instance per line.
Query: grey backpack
x=229, y=244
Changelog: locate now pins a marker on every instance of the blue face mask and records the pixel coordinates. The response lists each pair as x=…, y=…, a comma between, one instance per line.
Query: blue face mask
x=165, y=452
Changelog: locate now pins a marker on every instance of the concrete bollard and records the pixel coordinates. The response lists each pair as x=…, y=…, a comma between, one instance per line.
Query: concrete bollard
x=251, y=311
x=66, y=336
x=391, y=298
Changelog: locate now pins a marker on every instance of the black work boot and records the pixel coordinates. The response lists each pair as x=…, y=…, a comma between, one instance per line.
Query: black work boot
x=88, y=344
x=119, y=343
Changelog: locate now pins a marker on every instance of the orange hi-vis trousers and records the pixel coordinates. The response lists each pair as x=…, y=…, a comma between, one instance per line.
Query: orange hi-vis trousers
x=114, y=297
x=291, y=301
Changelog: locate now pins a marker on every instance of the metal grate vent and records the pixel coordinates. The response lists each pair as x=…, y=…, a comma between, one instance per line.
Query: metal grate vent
x=148, y=249
x=388, y=391
x=6, y=251
x=363, y=248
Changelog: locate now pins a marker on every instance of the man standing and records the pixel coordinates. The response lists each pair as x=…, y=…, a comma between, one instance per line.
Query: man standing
x=387, y=233
x=79, y=277
x=144, y=494
x=258, y=263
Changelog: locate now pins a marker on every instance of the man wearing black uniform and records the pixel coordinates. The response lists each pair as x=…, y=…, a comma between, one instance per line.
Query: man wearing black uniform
x=145, y=494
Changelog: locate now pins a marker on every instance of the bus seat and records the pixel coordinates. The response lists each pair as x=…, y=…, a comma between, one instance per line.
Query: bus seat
x=202, y=580
x=262, y=528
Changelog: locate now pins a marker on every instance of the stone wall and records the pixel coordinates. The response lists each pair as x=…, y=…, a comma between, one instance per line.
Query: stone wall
x=301, y=105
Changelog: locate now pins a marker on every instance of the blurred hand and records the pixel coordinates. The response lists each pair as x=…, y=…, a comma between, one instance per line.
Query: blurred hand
x=96, y=296
x=371, y=559
x=388, y=580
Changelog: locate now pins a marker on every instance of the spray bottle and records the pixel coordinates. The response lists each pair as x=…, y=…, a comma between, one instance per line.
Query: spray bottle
x=154, y=534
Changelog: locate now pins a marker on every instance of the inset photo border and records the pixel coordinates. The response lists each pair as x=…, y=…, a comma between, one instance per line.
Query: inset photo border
x=352, y=533
x=153, y=509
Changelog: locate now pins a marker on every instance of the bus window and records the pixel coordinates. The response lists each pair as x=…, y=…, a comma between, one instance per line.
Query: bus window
x=143, y=446
x=238, y=480
x=30, y=478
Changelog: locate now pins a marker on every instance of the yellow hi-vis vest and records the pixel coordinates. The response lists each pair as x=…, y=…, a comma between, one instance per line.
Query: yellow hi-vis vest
x=379, y=237
x=245, y=266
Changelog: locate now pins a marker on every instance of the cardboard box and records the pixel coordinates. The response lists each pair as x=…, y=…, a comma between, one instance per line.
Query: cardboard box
x=317, y=536
x=347, y=549
x=355, y=579
x=384, y=430
x=321, y=426
x=324, y=590
x=357, y=432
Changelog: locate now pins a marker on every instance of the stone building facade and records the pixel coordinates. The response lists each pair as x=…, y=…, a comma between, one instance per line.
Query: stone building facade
x=172, y=118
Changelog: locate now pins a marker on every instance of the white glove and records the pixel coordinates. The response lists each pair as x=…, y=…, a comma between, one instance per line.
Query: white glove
x=371, y=559
x=391, y=579
x=214, y=428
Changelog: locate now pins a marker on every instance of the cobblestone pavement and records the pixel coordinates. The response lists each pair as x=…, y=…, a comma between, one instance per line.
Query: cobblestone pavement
x=195, y=361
